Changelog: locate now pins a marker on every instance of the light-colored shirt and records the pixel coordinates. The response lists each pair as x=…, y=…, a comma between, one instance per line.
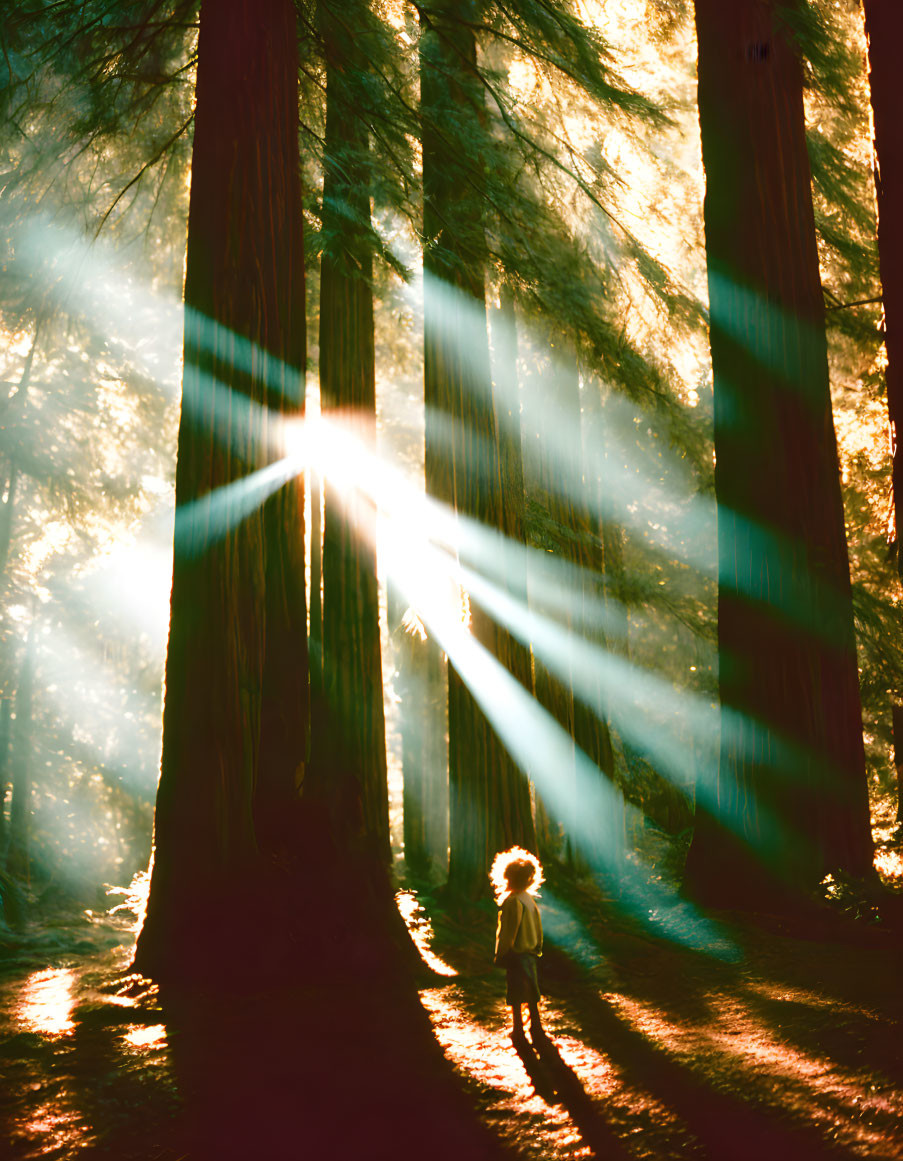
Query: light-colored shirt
x=519, y=926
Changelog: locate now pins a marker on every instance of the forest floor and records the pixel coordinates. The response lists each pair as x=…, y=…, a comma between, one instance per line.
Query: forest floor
x=766, y=1040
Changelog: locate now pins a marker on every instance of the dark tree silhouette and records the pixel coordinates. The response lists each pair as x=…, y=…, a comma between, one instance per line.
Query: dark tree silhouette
x=17, y=856
x=351, y=734
x=790, y=790
x=235, y=713
x=884, y=27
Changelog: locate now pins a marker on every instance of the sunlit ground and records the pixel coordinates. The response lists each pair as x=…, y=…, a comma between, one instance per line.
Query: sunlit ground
x=659, y=1053
x=420, y=928
x=662, y=1061
x=735, y=1051
x=736, y=1040
x=146, y=1037
x=47, y=1001
x=484, y=1054
x=55, y=1072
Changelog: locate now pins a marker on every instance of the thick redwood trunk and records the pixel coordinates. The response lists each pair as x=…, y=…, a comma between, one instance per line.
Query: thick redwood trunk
x=235, y=713
x=789, y=802
x=316, y=583
x=351, y=738
x=884, y=29
x=489, y=804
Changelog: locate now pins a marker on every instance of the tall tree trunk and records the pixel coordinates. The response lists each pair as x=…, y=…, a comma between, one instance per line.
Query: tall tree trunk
x=352, y=736
x=554, y=694
x=573, y=528
x=896, y=710
x=489, y=804
x=513, y=653
x=420, y=687
x=511, y=470
x=884, y=29
x=598, y=464
x=791, y=791
x=7, y=507
x=17, y=858
x=316, y=583
x=591, y=729
x=235, y=712
x=6, y=706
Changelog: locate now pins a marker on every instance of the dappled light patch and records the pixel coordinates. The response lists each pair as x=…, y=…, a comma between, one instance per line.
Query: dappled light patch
x=564, y=1103
x=792, y=994
x=482, y=1052
x=60, y=1131
x=146, y=1036
x=847, y=1102
x=46, y=1002
x=486, y=1058
x=889, y=865
x=421, y=931
x=667, y=1062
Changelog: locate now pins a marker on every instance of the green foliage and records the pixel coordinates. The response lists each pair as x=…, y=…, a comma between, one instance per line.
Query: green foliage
x=95, y=112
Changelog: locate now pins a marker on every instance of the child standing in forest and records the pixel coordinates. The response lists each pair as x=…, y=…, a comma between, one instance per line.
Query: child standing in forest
x=516, y=875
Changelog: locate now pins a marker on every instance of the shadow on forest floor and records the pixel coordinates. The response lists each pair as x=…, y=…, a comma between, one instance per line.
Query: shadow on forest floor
x=792, y=1051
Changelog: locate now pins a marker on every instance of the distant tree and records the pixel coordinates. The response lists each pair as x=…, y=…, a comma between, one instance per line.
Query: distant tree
x=546, y=395
x=420, y=683
x=14, y=407
x=17, y=855
x=235, y=711
x=566, y=520
x=489, y=797
x=511, y=467
x=791, y=793
x=6, y=707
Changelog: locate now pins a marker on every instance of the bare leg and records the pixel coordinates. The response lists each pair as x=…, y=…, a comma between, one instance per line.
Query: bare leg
x=537, y=1032
x=517, y=1018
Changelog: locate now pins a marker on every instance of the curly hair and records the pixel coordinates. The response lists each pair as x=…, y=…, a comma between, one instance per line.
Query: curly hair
x=515, y=870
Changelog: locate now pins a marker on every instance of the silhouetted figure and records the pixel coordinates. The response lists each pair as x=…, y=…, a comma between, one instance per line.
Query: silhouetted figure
x=516, y=875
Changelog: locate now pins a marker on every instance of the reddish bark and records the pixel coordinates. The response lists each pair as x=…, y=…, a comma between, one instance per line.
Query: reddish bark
x=235, y=712
x=884, y=29
x=789, y=801
x=349, y=736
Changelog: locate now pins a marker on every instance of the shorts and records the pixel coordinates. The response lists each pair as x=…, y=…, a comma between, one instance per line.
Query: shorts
x=522, y=970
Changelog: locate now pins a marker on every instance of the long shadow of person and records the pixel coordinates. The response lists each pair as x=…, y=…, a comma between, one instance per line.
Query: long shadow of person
x=557, y=1083
x=539, y=1076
